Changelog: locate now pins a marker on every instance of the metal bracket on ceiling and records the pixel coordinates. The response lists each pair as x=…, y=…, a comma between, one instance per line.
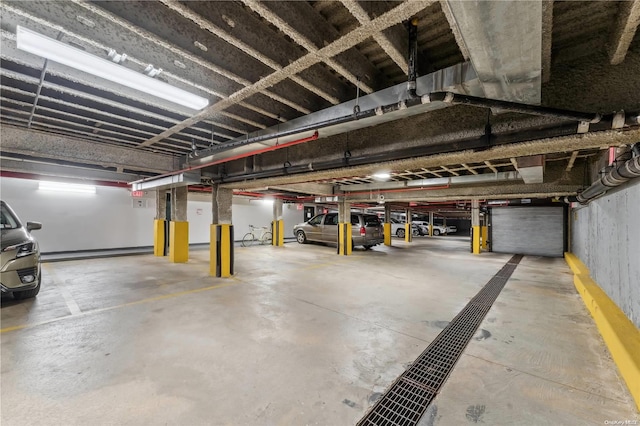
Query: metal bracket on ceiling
x=583, y=127
x=618, y=120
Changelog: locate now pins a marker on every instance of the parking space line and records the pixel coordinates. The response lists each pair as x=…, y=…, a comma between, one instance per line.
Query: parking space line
x=66, y=294
x=124, y=305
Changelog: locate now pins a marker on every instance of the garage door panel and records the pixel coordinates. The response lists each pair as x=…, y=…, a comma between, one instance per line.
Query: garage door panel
x=535, y=231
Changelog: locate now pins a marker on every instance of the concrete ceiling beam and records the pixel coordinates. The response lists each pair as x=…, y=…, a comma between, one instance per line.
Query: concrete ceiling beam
x=446, y=9
x=572, y=160
x=310, y=188
x=547, y=38
x=601, y=140
x=312, y=33
x=57, y=170
x=624, y=30
x=45, y=145
x=391, y=40
x=393, y=17
x=504, y=42
x=490, y=192
x=490, y=166
x=466, y=166
x=257, y=54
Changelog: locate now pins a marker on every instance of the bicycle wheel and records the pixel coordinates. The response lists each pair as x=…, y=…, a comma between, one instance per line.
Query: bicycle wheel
x=248, y=239
x=266, y=238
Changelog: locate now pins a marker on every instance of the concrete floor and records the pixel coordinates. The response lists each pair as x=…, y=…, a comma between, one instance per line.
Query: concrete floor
x=299, y=336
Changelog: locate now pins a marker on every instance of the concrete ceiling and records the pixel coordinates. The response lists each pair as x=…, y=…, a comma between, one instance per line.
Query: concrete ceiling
x=264, y=64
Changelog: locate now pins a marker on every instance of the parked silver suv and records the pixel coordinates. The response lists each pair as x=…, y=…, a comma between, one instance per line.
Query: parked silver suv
x=366, y=229
x=20, y=256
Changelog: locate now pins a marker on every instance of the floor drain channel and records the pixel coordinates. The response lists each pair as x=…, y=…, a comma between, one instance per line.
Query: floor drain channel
x=409, y=396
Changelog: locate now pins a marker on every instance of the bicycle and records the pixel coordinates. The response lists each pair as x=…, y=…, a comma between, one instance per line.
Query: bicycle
x=250, y=237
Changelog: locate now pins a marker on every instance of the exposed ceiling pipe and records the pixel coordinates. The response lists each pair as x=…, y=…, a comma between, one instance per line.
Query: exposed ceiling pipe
x=227, y=159
x=457, y=99
x=617, y=176
x=446, y=97
x=357, y=115
x=413, y=57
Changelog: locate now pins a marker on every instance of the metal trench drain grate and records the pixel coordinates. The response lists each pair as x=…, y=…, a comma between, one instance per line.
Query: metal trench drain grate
x=407, y=399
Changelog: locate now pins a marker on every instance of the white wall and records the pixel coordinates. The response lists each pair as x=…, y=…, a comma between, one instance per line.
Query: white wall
x=70, y=221
x=605, y=235
x=260, y=213
x=107, y=219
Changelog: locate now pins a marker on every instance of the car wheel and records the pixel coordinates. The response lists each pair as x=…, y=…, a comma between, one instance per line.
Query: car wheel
x=300, y=237
x=367, y=247
x=400, y=233
x=415, y=232
x=27, y=294
x=436, y=232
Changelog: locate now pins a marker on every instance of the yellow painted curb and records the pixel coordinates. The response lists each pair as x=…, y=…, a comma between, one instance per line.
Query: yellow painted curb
x=620, y=335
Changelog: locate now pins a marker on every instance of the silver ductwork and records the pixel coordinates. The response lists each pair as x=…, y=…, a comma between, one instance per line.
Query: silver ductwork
x=426, y=183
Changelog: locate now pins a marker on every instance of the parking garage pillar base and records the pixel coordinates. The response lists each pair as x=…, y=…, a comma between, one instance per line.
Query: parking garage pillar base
x=221, y=250
x=158, y=237
x=408, y=232
x=387, y=234
x=345, y=243
x=178, y=242
x=277, y=233
x=475, y=243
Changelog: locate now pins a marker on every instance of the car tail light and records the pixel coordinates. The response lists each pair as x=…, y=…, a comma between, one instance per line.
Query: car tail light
x=363, y=231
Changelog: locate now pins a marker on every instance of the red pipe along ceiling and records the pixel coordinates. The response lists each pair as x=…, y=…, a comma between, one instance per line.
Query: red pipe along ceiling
x=235, y=157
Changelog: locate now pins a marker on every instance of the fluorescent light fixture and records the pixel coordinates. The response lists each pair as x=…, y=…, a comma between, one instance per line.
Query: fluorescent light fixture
x=382, y=175
x=66, y=187
x=40, y=45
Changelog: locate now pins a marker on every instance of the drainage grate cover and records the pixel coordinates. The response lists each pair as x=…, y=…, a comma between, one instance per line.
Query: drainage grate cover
x=410, y=395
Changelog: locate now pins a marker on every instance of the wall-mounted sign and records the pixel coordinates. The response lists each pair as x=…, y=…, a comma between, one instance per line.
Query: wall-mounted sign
x=137, y=194
x=299, y=206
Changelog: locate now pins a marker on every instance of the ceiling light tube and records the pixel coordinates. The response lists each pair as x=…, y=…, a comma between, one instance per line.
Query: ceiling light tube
x=40, y=45
x=382, y=175
x=66, y=187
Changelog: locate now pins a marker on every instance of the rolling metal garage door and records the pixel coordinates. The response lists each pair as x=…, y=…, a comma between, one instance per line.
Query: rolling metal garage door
x=528, y=230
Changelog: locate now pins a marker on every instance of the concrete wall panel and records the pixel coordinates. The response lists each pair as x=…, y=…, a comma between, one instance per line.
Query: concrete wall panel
x=108, y=218
x=606, y=237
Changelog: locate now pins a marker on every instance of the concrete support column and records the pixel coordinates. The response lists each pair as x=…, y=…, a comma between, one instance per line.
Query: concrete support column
x=277, y=226
x=345, y=243
x=179, y=227
x=159, y=224
x=387, y=224
x=408, y=229
x=221, y=233
x=431, y=224
x=475, y=227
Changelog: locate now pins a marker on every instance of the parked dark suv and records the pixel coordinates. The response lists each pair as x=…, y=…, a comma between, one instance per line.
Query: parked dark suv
x=20, y=256
x=366, y=229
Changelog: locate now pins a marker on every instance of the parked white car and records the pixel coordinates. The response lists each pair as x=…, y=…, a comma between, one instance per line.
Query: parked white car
x=437, y=229
x=397, y=228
